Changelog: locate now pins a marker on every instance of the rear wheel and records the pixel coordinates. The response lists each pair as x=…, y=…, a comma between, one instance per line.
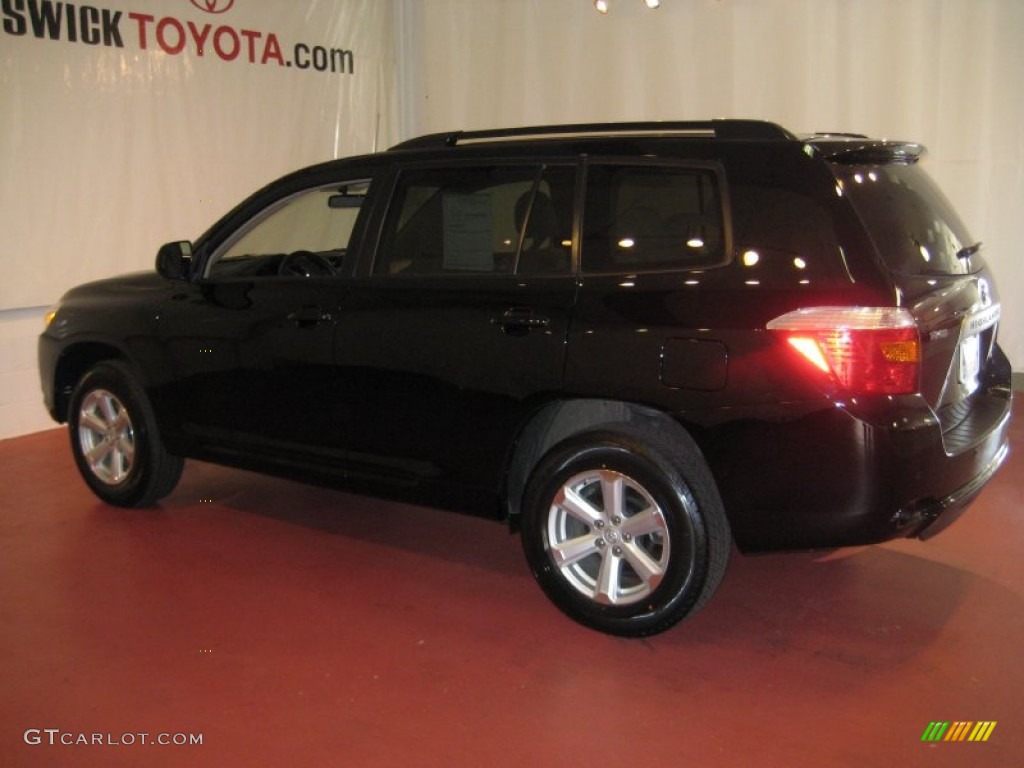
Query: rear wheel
x=625, y=530
x=115, y=440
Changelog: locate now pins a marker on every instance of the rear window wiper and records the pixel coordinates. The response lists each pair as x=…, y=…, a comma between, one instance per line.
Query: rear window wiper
x=968, y=250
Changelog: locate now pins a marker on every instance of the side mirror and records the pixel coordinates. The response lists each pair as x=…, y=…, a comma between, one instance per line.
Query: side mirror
x=173, y=259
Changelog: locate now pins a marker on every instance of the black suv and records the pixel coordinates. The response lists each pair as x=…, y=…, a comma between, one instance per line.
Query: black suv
x=636, y=343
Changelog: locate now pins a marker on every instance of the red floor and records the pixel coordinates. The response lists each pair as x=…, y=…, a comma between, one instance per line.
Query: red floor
x=294, y=626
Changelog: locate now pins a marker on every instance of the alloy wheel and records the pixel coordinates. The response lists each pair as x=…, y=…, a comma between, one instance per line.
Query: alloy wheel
x=106, y=436
x=608, y=537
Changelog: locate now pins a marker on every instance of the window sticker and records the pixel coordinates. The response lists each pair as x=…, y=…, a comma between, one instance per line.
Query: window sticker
x=468, y=231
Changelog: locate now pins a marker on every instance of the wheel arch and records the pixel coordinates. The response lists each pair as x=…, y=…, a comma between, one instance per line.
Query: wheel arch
x=561, y=420
x=73, y=363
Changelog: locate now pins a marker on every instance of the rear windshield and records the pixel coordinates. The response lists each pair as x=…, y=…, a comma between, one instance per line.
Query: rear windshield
x=913, y=225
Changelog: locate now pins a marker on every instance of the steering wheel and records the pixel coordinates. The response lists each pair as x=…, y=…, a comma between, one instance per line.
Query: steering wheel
x=305, y=264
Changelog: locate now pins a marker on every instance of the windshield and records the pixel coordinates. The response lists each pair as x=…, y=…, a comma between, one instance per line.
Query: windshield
x=913, y=225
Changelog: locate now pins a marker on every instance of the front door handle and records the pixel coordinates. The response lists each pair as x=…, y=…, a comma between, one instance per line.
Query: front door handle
x=517, y=321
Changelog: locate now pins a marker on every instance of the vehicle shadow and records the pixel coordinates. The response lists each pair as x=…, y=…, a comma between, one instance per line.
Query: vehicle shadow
x=863, y=608
x=858, y=608
x=425, y=531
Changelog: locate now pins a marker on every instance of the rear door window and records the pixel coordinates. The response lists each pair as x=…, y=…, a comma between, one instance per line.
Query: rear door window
x=641, y=218
x=479, y=220
x=915, y=228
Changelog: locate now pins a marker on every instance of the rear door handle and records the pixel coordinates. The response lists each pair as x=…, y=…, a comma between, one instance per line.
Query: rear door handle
x=520, y=320
x=309, y=316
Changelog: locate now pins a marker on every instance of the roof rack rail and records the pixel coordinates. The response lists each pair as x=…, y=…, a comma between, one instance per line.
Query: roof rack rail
x=750, y=130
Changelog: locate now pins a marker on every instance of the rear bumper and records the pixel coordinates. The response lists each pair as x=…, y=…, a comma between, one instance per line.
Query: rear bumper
x=856, y=473
x=936, y=517
x=971, y=454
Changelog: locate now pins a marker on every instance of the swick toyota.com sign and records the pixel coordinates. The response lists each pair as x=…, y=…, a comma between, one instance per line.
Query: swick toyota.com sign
x=203, y=28
x=136, y=122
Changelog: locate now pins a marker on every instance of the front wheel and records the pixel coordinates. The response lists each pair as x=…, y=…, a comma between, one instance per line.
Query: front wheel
x=115, y=440
x=624, y=530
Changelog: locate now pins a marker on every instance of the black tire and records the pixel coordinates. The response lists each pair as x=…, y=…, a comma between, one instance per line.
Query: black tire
x=115, y=440
x=646, y=559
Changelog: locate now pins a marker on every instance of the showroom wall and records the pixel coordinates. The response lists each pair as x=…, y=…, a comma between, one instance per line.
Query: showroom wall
x=128, y=123
x=947, y=73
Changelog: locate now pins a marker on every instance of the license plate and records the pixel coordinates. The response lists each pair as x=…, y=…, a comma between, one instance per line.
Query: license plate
x=970, y=363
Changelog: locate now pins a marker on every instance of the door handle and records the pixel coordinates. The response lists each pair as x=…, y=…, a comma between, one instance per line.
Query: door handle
x=309, y=316
x=519, y=320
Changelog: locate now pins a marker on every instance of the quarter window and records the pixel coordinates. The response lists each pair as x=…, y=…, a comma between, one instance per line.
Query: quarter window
x=651, y=218
x=479, y=220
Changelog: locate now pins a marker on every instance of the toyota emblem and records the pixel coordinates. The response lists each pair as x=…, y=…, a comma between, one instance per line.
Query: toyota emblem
x=984, y=292
x=213, y=6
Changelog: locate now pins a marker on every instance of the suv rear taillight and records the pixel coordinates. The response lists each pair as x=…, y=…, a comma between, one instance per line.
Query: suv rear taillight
x=867, y=350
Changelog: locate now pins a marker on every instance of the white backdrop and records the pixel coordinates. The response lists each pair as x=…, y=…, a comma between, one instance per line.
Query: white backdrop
x=948, y=73
x=127, y=123
x=106, y=151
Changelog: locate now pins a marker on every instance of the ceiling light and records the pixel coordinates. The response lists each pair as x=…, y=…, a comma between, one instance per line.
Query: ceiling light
x=603, y=6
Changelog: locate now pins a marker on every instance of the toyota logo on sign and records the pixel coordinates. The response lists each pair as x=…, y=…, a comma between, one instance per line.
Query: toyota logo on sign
x=213, y=6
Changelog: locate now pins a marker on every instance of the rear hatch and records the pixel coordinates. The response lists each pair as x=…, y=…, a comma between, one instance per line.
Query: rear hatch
x=940, y=274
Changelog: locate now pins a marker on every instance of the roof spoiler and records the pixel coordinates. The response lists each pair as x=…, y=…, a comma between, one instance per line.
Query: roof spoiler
x=855, y=149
